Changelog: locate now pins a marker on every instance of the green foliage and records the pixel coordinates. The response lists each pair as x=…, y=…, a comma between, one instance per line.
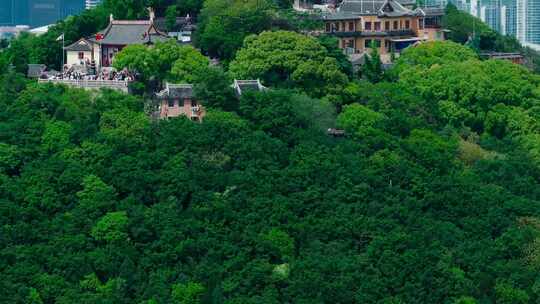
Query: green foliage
x=432, y=53
x=223, y=25
x=189, y=67
x=506, y=294
x=56, y=136
x=331, y=45
x=34, y=297
x=165, y=61
x=279, y=243
x=432, y=195
x=372, y=68
x=214, y=90
x=466, y=29
x=139, y=59
x=111, y=227
x=359, y=119
x=189, y=293
x=289, y=59
x=170, y=17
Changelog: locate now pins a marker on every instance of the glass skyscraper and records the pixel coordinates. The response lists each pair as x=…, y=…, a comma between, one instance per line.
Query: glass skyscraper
x=518, y=18
x=528, y=22
x=91, y=3
x=37, y=12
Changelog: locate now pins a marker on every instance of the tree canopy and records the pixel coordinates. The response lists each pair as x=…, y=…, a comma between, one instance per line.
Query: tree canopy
x=289, y=59
x=431, y=194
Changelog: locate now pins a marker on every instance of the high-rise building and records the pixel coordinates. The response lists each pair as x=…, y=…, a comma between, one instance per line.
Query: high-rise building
x=6, y=12
x=92, y=3
x=509, y=17
x=43, y=12
x=490, y=13
x=37, y=13
x=434, y=3
x=474, y=8
x=528, y=22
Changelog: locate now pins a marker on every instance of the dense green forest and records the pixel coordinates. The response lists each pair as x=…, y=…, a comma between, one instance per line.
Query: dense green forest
x=432, y=196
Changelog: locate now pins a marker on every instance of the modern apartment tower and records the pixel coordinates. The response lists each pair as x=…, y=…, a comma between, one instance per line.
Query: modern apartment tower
x=490, y=13
x=528, y=22
x=509, y=17
x=92, y=3
x=37, y=13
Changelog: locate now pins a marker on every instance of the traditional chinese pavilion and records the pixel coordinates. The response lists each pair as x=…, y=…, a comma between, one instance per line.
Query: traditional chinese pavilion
x=101, y=49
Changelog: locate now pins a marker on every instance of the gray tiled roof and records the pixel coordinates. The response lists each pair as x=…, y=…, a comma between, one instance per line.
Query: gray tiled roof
x=241, y=86
x=176, y=91
x=82, y=46
x=351, y=9
x=432, y=11
x=121, y=32
x=35, y=70
x=361, y=7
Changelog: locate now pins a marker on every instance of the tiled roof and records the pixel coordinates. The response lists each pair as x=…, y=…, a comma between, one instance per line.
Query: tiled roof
x=125, y=32
x=35, y=70
x=241, y=86
x=181, y=24
x=176, y=91
x=351, y=9
x=432, y=11
x=81, y=46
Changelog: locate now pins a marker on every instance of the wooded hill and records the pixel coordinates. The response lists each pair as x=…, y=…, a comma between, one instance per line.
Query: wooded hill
x=432, y=196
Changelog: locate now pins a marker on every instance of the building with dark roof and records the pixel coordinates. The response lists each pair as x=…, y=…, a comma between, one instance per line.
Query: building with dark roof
x=102, y=48
x=241, y=86
x=177, y=100
x=35, y=70
x=389, y=25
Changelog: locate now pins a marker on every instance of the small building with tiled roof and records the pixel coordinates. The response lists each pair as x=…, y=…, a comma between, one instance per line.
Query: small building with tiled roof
x=178, y=100
x=35, y=70
x=389, y=25
x=101, y=48
x=241, y=86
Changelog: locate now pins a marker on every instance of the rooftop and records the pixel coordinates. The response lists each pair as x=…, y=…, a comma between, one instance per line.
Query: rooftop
x=126, y=32
x=176, y=91
x=241, y=86
x=352, y=9
x=82, y=45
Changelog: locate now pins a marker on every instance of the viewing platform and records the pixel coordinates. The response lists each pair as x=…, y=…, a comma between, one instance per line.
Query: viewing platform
x=119, y=85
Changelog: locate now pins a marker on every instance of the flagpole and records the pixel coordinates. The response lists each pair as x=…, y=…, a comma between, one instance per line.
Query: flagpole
x=63, y=51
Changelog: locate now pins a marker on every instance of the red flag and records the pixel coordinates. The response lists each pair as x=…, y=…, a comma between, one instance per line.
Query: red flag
x=99, y=36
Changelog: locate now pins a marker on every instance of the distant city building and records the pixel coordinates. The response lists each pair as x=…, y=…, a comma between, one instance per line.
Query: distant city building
x=518, y=18
x=490, y=13
x=528, y=22
x=91, y=3
x=509, y=17
x=9, y=32
x=35, y=13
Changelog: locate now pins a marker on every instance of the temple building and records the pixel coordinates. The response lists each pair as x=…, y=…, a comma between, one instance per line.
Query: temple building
x=177, y=100
x=101, y=49
x=389, y=25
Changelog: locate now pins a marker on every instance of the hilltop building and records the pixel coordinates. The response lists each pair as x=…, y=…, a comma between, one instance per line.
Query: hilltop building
x=101, y=49
x=177, y=100
x=390, y=25
x=241, y=86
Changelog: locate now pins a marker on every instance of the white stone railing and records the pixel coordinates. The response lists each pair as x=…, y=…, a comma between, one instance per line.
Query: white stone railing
x=119, y=85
